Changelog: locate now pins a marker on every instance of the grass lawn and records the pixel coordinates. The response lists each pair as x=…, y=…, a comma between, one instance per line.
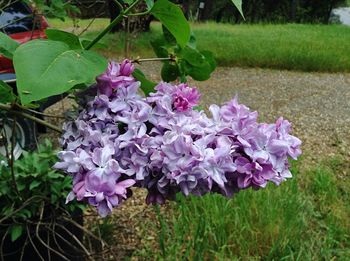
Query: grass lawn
x=306, y=218
x=291, y=46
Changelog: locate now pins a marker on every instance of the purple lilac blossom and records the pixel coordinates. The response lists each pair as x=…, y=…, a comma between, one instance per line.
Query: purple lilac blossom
x=160, y=143
x=116, y=75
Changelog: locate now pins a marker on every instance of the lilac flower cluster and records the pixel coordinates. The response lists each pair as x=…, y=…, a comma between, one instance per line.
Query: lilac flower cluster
x=162, y=144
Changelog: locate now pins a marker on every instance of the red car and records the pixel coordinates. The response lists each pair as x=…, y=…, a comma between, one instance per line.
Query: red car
x=20, y=22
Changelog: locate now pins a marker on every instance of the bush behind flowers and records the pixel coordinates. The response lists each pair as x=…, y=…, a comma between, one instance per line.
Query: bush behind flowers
x=163, y=144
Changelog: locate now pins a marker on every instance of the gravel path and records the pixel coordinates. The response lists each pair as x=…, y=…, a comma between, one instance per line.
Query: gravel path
x=318, y=104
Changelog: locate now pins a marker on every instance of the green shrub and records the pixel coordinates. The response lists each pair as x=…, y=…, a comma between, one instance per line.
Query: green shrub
x=38, y=186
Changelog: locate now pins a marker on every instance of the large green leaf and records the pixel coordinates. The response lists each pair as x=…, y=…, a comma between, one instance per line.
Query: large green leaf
x=238, y=4
x=6, y=94
x=7, y=45
x=159, y=47
x=169, y=72
x=199, y=65
x=199, y=73
x=193, y=56
x=172, y=17
x=169, y=38
x=146, y=85
x=70, y=39
x=209, y=57
x=45, y=68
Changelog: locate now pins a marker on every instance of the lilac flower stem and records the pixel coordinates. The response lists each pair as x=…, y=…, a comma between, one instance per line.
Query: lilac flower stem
x=153, y=60
x=117, y=20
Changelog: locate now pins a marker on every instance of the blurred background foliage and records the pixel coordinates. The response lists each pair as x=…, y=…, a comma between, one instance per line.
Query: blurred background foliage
x=255, y=11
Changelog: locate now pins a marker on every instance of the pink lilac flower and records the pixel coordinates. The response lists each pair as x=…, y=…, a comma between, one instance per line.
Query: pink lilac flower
x=185, y=98
x=160, y=143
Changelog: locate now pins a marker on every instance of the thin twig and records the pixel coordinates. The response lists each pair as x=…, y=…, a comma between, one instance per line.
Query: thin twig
x=33, y=245
x=140, y=14
x=121, y=7
x=92, y=235
x=88, y=253
x=8, y=4
x=138, y=60
x=76, y=240
x=99, y=234
x=2, y=245
x=117, y=20
x=28, y=116
x=42, y=241
x=24, y=247
x=38, y=112
x=54, y=235
x=14, y=21
x=53, y=230
x=48, y=243
x=87, y=27
x=20, y=208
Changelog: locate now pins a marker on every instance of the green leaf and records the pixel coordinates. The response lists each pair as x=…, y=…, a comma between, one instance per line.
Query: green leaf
x=172, y=17
x=70, y=39
x=34, y=184
x=198, y=73
x=168, y=36
x=55, y=69
x=199, y=65
x=210, y=58
x=6, y=93
x=150, y=4
x=170, y=72
x=7, y=45
x=192, y=43
x=193, y=56
x=159, y=48
x=16, y=231
x=146, y=85
x=238, y=4
x=54, y=174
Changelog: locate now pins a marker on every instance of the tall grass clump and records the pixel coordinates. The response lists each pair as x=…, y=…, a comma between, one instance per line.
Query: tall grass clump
x=306, y=218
